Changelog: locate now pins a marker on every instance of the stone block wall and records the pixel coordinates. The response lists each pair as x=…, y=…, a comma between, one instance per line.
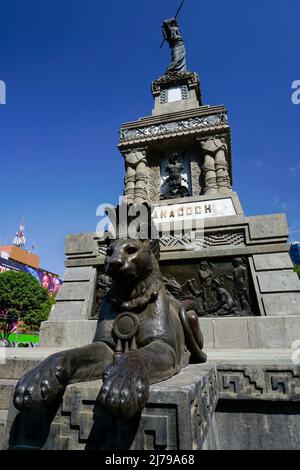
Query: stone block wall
x=250, y=332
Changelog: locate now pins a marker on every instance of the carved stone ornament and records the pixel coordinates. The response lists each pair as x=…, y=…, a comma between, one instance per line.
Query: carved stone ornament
x=173, y=183
x=222, y=289
x=104, y=284
x=215, y=166
x=137, y=175
x=125, y=327
x=173, y=127
x=175, y=78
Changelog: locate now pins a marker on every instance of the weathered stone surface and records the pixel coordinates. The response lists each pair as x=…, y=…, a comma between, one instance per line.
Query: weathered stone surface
x=272, y=261
x=206, y=325
x=282, y=304
x=175, y=106
x=81, y=244
x=231, y=332
x=266, y=332
x=73, y=291
x=75, y=299
x=268, y=226
x=3, y=420
x=292, y=329
x=257, y=426
x=6, y=389
x=67, y=311
x=278, y=281
x=78, y=274
x=15, y=368
x=67, y=334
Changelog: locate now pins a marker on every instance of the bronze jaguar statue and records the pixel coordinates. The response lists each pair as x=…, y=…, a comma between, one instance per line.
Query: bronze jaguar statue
x=143, y=336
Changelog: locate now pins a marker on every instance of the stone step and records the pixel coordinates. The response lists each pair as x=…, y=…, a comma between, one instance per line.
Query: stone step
x=21, y=360
x=3, y=419
x=6, y=389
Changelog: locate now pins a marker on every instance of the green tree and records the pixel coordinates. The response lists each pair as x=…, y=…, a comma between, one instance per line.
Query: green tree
x=21, y=295
x=297, y=269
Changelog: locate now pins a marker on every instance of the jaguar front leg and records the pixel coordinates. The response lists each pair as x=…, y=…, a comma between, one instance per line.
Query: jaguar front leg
x=48, y=380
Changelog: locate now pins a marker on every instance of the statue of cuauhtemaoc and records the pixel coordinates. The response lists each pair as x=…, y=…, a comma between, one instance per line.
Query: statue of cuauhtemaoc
x=172, y=35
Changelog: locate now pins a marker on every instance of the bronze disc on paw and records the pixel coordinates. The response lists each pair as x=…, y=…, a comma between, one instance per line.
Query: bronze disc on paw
x=126, y=326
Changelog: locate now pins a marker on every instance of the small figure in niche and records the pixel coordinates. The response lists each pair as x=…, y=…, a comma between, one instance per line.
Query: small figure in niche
x=174, y=180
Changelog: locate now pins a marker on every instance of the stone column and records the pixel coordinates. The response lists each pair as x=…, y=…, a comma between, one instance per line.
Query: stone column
x=141, y=181
x=215, y=166
x=223, y=179
x=136, y=180
x=209, y=169
x=129, y=183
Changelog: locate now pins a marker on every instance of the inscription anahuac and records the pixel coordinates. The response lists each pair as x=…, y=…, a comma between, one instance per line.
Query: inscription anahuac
x=164, y=213
x=215, y=288
x=217, y=208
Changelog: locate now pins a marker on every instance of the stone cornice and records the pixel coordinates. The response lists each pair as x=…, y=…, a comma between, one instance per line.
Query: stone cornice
x=188, y=125
x=191, y=79
x=174, y=78
x=177, y=116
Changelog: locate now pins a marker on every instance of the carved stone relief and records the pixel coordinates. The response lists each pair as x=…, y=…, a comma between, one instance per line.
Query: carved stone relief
x=137, y=175
x=103, y=287
x=172, y=127
x=174, y=177
x=215, y=165
x=215, y=288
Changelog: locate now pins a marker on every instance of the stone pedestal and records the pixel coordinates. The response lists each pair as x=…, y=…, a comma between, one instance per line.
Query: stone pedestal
x=235, y=269
x=214, y=229
x=242, y=399
x=176, y=417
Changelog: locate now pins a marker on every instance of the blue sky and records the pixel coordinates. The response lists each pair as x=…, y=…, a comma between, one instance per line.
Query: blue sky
x=75, y=70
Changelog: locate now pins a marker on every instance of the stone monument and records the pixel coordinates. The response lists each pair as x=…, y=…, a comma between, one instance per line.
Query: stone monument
x=234, y=270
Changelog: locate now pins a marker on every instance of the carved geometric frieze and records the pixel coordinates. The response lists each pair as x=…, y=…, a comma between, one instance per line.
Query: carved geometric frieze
x=157, y=429
x=284, y=383
x=200, y=241
x=196, y=175
x=173, y=127
x=259, y=382
x=238, y=383
x=219, y=239
x=188, y=240
x=154, y=182
x=176, y=241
